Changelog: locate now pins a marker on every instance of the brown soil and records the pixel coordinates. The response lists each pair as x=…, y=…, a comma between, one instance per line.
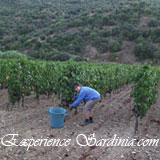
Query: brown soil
x=73, y=29
x=107, y=13
x=91, y=14
x=143, y=22
x=126, y=55
x=111, y=116
x=40, y=40
x=90, y=52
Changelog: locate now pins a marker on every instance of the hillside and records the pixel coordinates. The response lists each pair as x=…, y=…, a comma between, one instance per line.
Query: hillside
x=122, y=31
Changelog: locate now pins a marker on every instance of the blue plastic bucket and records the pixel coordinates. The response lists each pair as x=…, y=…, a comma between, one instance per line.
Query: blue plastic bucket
x=57, y=116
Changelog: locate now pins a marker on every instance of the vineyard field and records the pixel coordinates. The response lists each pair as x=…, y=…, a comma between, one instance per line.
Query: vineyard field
x=29, y=87
x=112, y=116
x=22, y=77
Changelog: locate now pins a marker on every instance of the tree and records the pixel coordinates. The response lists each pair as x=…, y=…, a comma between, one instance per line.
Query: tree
x=155, y=34
x=153, y=23
x=144, y=50
x=114, y=46
x=116, y=31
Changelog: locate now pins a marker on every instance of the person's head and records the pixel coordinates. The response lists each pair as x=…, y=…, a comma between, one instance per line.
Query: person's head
x=77, y=87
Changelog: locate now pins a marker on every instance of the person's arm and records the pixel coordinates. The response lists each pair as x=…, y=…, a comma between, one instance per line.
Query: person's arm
x=75, y=97
x=80, y=97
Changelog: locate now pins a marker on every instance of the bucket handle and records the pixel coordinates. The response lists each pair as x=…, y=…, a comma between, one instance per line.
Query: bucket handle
x=64, y=113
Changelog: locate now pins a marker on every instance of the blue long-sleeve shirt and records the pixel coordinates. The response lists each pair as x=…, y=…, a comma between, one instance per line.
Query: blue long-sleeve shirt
x=86, y=94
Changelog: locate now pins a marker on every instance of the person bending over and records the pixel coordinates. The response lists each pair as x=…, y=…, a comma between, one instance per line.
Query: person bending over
x=88, y=95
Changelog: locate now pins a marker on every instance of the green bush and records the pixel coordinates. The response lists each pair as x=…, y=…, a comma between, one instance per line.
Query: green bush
x=35, y=54
x=60, y=57
x=113, y=56
x=105, y=33
x=140, y=39
x=108, y=20
x=12, y=54
x=131, y=34
x=153, y=23
x=155, y=35
x=145, y=33
x=78, y=59
x=86, y=31
x=102, y=44
x=144, y=50
x=116, y=31
x=14, y=46
x=114, y=46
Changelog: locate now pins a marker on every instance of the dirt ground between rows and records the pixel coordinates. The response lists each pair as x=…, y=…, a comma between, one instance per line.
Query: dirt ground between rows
x=111, y=116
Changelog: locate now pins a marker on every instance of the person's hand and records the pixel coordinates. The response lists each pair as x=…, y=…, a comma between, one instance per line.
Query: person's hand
x=71, y=107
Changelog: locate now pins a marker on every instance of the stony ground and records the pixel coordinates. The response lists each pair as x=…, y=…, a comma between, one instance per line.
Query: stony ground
x=111, y=116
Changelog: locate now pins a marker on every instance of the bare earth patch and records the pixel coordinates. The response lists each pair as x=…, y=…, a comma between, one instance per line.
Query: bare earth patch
x=126, y=55
x=73, y=29
x=143, y=22
x=107, y=13
x=90, y=52
x=111, y=116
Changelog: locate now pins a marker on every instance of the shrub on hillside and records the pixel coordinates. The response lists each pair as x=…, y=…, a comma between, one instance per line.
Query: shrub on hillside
x=140, y=39
x=116, y=31
x=113, y=56
x=155, y=35
x=102, y=44
x=144, y=50
x=86, y=31
x=114, y=46
x=105, y=33
x=60, y=57
x=153, y=23
x=131, y=34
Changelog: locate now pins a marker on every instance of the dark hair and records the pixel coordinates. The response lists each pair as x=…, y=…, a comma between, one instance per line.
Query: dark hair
x=76, y=84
